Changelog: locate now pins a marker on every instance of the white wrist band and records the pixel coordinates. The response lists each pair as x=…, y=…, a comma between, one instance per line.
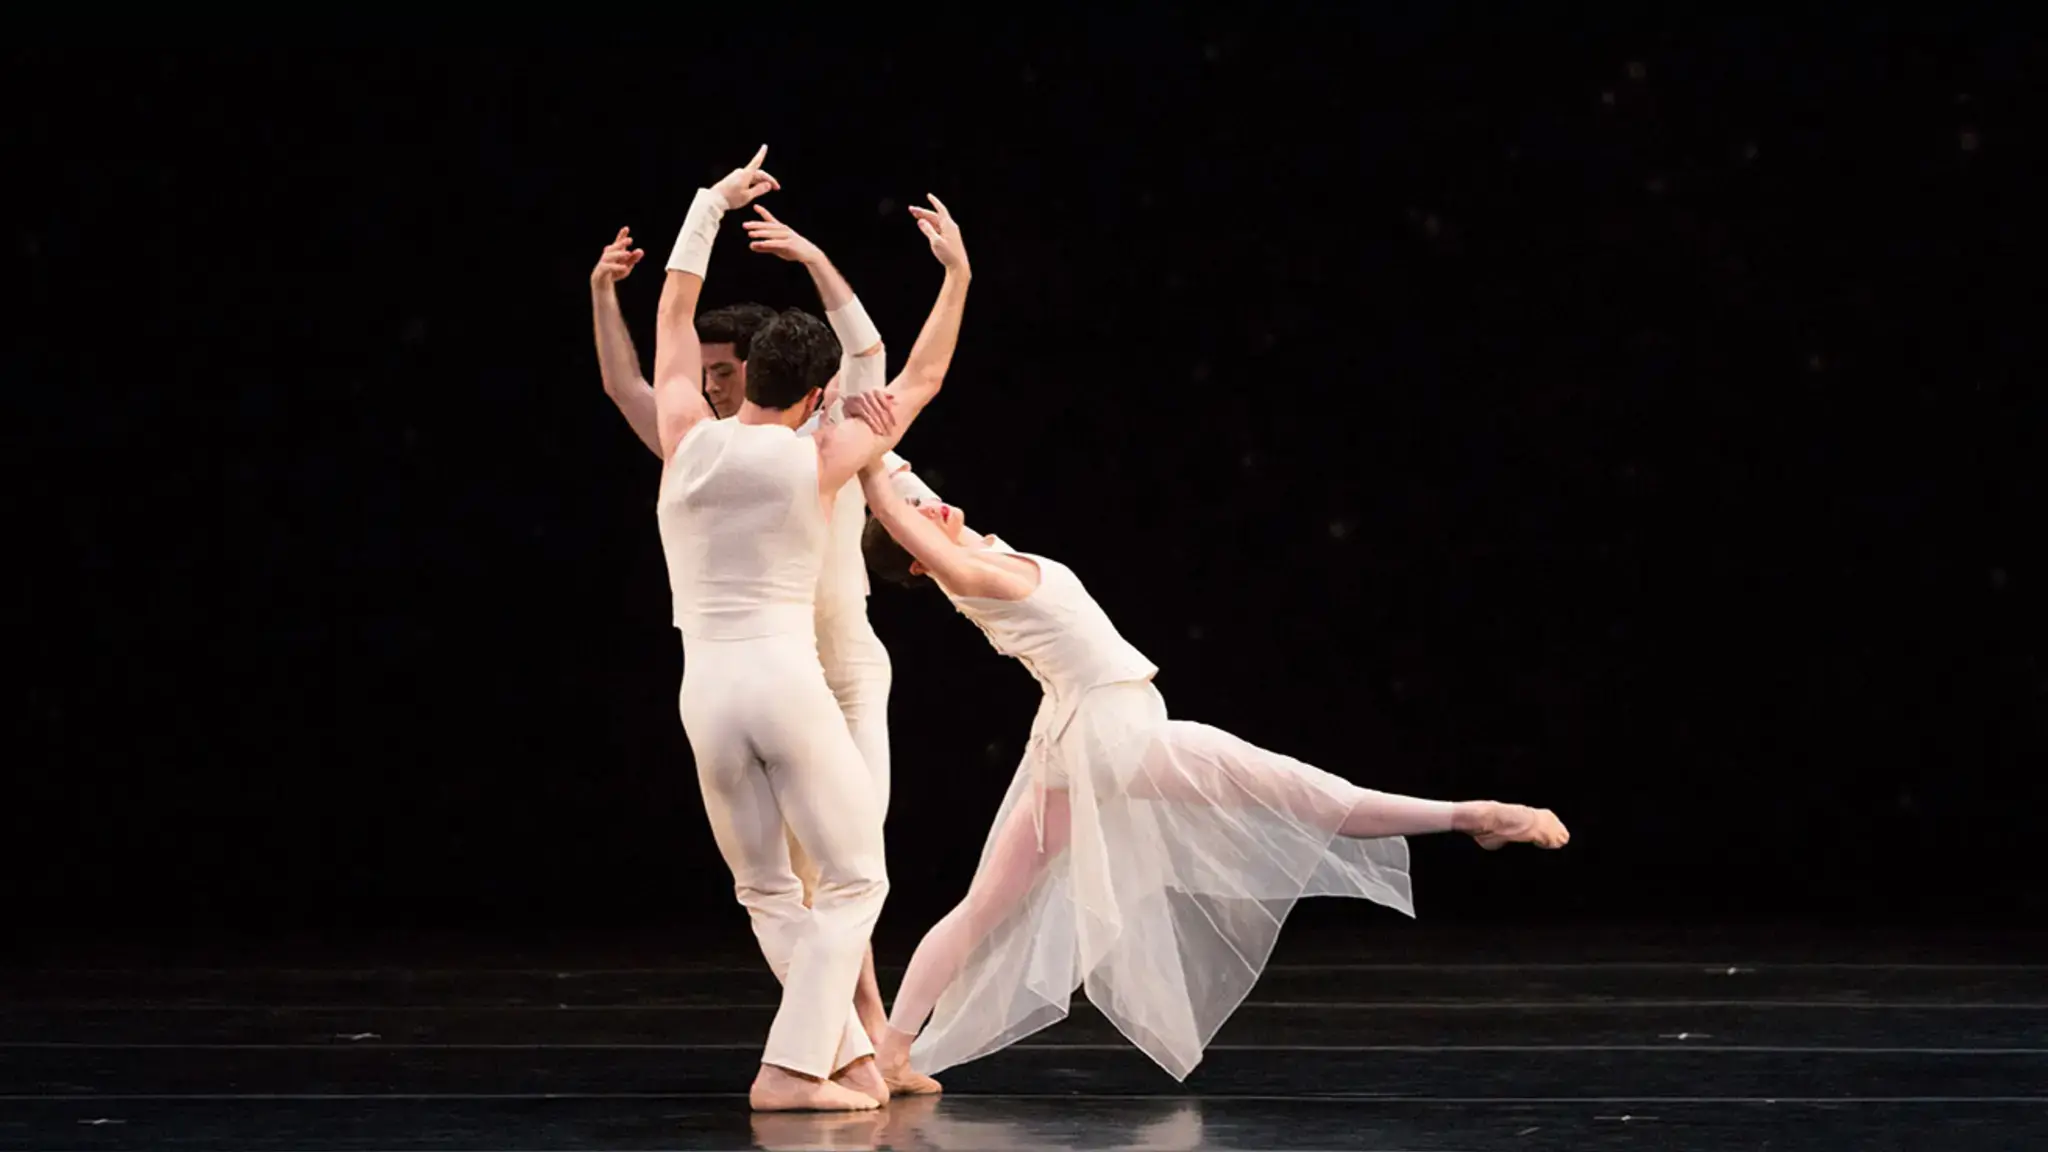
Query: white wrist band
x=850, y=323
x=692, y=252
x=907, y=486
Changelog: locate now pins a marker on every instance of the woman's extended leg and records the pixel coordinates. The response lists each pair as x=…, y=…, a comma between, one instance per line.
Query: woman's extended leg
x=1197, y=764
x=1014, y=865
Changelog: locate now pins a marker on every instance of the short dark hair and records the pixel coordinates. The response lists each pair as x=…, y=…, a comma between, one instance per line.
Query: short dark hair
x=734, y=324
x=887, y=560
x=792, y=355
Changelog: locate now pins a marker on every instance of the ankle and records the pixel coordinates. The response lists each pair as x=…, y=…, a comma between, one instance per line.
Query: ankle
x=893, y=1040
x=1471, y=816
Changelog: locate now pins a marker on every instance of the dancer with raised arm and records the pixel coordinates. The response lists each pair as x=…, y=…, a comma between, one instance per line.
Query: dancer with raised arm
x=1148, y=861
x=856, y=664
x=744, y=507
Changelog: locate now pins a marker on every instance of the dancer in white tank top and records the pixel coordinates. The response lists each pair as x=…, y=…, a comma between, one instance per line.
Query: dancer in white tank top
x=744, y=510
x=856, y=664
x=1148, y=861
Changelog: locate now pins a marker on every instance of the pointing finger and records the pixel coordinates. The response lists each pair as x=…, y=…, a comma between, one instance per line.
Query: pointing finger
x=755, y=163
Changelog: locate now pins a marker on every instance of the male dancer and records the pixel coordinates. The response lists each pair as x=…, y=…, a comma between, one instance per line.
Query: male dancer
x=855, y=661
x=743, y=510
x=725, y=334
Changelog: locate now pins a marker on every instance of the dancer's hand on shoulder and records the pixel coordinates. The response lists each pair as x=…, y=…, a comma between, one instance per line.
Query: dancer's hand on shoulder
x=617, y=261
x=943, y=231
x=877, y=410
x=742, y=186
x=778, y=239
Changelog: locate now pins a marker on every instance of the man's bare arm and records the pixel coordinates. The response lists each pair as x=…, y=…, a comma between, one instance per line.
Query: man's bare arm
x=846, y=447
x=617, y=360
x=679, y=402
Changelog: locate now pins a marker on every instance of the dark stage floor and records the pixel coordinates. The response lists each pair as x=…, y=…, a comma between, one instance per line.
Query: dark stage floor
x=1447, y=1043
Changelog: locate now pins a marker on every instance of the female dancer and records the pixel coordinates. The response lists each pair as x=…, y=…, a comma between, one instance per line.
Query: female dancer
x=1147, y=860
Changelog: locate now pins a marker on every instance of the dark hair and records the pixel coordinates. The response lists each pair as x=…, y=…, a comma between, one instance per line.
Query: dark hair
x=792, y=355
x=887, y=560
x=734, y=324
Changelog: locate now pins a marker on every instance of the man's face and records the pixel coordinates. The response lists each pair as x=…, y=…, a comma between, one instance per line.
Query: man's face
x=725, y=379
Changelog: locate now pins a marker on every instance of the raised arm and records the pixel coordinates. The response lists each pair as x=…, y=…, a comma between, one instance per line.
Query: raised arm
x=678, y=362
x=862, y=367
x=617, y=360
x=845, y=447
x=961, y=571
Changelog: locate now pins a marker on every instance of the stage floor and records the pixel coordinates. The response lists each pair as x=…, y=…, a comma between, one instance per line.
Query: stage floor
x=1408, y=1042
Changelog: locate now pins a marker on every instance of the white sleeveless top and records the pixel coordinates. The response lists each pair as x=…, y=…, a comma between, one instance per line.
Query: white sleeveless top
x=1058, y=632
x=1064, y=638
x=743, y=530
x=843, y=576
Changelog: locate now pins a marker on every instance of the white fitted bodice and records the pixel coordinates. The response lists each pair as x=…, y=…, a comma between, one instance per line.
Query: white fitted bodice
x=743, y=530
x=1058, y=632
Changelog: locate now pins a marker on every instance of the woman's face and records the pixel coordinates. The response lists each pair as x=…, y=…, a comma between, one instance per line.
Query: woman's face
x=947, y=517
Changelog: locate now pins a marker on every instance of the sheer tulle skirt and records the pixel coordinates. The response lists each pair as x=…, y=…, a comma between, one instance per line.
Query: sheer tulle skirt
x=1169, y=864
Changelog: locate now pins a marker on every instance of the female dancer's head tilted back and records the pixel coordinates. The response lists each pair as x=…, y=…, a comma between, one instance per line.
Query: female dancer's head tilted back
x=890, y=561
x=913, y=536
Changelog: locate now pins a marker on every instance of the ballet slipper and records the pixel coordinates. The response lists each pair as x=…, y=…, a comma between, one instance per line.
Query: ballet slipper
x=780, y=1090
x=1494, y=825
x=865, y=1078
x=892, y=1058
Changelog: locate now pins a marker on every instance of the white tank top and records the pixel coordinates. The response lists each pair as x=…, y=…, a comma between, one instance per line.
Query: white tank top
x=743, y=530
x=843, y=576
x=1058, y=632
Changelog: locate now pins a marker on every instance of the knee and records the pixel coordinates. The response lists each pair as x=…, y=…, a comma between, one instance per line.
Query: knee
x=854, y=889
x=779, y=898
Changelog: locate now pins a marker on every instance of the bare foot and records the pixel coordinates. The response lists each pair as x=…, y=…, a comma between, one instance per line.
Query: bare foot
x=1494, y=825
x=892, y=1056
x=862, y=1077
x=780, y=1090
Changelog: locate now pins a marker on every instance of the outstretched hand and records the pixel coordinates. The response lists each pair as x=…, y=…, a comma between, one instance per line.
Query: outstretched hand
x=877, y=410
x=742, y=186
x=778, y=239
x=944, y=233
x=617, y=261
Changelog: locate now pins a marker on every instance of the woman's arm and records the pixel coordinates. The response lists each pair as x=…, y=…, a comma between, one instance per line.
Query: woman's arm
x=959, y=569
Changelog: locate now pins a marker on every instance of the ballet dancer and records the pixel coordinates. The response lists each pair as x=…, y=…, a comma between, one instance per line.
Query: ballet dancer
x=1148, y=861
x=724, y=335
x=856, y=663
x=744, y=507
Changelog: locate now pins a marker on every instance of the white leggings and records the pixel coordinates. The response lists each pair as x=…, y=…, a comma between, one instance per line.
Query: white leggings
x=1209, y=766
x=773, y=752
x=857, y=670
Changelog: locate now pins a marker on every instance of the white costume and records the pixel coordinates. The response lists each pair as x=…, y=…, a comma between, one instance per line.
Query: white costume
x=1147, y=860
x=856, y=664
x=744, y=532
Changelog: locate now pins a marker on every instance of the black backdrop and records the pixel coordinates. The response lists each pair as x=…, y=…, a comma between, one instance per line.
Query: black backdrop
x=1640, y=419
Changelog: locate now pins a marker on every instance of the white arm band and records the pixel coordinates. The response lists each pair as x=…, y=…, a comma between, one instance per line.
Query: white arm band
x=905, y=483
x=850, y=323
x=857, y=333
x=692, y=252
